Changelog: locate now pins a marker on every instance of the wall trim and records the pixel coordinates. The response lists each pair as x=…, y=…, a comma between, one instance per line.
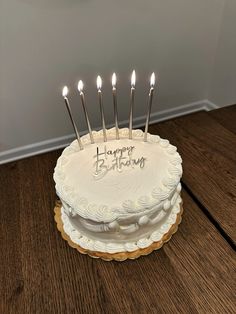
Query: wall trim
x=61, y=142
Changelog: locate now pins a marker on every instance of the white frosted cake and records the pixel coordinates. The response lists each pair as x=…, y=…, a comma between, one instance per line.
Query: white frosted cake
x=120, y=198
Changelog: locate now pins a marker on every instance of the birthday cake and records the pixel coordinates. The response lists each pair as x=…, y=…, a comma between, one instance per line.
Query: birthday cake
x=120, y=198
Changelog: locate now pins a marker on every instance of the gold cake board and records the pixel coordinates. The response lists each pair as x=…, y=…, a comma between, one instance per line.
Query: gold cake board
x=116, y=256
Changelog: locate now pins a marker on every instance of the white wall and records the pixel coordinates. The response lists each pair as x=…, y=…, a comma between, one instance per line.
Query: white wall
x=223, y=81
x=46, y=44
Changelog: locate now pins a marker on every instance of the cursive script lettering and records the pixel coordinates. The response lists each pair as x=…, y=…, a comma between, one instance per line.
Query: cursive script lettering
x=118, y=159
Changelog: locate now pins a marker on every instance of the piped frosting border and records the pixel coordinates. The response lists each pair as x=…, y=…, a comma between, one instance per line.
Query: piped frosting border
x=112, y=247
x=101, y=212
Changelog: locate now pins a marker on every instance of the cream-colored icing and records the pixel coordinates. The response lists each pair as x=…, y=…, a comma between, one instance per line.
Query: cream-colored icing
x=122, y=211
x=110, y=244
x=117, y=194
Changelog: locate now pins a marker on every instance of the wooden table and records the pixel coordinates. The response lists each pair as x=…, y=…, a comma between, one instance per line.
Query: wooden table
x=193, y=273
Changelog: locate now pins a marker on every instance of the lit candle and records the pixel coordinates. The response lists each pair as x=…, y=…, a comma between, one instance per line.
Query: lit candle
x=113, y=80
x=64, y=94
x=99, y=86
x=150, y=97
x=80, y=89
x=133, y=80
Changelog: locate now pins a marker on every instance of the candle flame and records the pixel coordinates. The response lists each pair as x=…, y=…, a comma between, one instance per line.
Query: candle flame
x=65, y=91
x=133, y=78
x=80, y=86
x=152, y=79
x=99, y=82
x=113, y=80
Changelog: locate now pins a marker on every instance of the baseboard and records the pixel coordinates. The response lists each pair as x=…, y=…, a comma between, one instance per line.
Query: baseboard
x=61, y=142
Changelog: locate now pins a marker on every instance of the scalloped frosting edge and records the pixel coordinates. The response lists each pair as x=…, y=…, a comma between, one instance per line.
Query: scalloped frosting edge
x=111, y=248
x=102, y=212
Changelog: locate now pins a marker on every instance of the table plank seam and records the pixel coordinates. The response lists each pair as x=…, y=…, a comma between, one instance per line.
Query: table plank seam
x=210, y=217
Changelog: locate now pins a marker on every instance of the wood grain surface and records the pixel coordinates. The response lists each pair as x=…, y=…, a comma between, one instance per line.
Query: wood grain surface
x=226, y=116
x=208, y=150
x=40, y=273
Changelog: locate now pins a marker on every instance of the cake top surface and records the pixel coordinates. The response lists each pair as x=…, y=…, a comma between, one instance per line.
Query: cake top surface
x=109, y=179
